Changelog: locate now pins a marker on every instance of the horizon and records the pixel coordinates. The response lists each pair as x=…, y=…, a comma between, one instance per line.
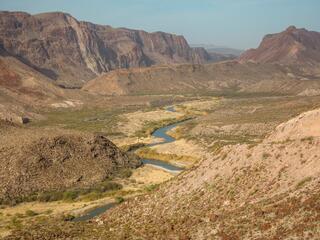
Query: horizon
x=246, y=22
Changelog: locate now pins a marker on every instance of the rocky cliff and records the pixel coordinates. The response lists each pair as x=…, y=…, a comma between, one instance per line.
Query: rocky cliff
x=72, y=52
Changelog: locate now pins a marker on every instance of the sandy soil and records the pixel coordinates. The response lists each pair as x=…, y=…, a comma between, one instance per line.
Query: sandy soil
x=199, y=105
x=182, y=147
x=149, y=175
x=134, y=122
x=125, y=141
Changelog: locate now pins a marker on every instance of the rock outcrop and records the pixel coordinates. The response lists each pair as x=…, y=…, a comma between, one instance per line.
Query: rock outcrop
x=292, y=46
x=72, y=52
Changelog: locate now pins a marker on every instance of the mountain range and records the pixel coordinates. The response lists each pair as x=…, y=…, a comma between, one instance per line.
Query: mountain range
x=211, y=48
x=72, y=52
x=44, y=56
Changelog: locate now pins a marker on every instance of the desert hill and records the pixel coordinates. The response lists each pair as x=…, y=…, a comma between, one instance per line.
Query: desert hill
x=71, y=52
x=216, y=77
x=265, y=191
x=22, y=87
x=292, y=46
x=33, y=162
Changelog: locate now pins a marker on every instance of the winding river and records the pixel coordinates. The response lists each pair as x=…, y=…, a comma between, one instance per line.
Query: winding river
x=159, y=133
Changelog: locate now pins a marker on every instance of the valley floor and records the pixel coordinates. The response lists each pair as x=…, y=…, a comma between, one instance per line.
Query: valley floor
x=215, y=146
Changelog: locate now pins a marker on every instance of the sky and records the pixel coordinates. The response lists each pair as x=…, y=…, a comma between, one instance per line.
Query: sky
x=234, y=23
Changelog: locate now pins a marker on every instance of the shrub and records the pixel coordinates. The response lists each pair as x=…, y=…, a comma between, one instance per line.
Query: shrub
x=152, y=187
x=68, y=217
x=92, y=196
x=19, y=215
x=49, y=211
x=30, y=213
x=303, y=182
x=265, y=155
x=15, y=223
x=119, y=199
x=309, y=139
x=125, y=173
x=110, y=186
x=50, y=196
x=70, y=195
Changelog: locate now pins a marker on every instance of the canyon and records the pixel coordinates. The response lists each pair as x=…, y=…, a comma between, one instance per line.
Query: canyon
x=87, y=110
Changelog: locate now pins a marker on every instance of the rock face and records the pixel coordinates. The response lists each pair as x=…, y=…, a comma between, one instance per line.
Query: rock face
x=59, y=162
x=72, y=52
x=293, y=46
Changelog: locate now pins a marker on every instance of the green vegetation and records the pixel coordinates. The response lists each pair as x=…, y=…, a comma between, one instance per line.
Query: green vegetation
x=88, y=120
x=219, y=141
x=303, y=182
x=152, y=126
x=153, y=154
x=119, y=199
x=30, y=213
x=98, y=191
x=124, y=173
x=68, y=217
x=307, y=139
x=132, y=147
x=265, y=155
x=15, y=223
x=152, y=187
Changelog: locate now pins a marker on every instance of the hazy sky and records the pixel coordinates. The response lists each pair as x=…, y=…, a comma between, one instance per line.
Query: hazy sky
x=233, y=23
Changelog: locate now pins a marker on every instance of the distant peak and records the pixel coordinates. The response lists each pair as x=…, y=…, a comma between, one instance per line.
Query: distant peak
x=291, y=28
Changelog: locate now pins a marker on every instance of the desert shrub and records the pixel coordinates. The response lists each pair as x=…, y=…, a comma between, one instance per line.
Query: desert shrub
x=15, y=223
x=30, y=213
x=70, y=195
x=19, y=215
x=265, y=155
x=119, y=199
x=92, y=196
x=132, y=147
x=125, y=173
x=49, y=211
x=30, y=198
x=303, y=182
x=50, y=196
x=151, y=187
x=308, y=139
x=111, y=186
x=68, y=217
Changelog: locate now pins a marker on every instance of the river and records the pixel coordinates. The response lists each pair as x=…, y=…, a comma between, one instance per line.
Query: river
x=159, y=133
